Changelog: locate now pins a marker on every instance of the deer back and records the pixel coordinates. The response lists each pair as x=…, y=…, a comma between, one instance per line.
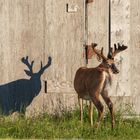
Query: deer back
x=89, y=79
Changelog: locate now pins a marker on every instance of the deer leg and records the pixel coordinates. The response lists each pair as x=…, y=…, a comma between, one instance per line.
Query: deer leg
x=81, y=108
x=100, y=109
x=91, y=112
x=110, y=106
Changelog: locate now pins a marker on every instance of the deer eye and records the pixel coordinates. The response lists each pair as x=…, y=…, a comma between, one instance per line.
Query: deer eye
x=108, y=64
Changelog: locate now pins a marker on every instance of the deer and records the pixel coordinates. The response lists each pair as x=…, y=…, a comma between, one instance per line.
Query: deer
x=90, y=83
x=17, y=95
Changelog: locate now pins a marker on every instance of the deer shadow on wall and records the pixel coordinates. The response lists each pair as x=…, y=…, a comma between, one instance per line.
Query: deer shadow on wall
x=17, y=95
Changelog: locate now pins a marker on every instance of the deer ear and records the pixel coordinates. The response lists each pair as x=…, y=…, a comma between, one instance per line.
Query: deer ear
x=28, y=72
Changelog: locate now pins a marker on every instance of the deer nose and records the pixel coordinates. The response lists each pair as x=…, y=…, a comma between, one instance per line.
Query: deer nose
x=114, y=69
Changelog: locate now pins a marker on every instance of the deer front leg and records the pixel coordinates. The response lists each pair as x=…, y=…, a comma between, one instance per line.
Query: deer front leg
x=80, y=100
x=110, y=106
x=100, y=109
x=91, y=112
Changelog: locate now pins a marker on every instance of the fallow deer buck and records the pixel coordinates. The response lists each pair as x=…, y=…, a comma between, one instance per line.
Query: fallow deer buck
x=89, y=83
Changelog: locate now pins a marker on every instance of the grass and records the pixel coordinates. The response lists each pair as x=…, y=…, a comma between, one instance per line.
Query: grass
x=68, y=125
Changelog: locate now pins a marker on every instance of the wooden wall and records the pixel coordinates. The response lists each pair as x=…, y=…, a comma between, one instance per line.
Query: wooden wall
x=42, y=28
x=135, y=51
x=21, y=34
x=38, y=29
x=64, y=42
x=125, y=28
x=135, y=47
x=98, y=27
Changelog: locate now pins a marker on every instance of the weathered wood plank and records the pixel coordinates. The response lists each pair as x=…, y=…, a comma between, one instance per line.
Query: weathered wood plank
x=135, y=50
x=98, y=26
x=120, y=31
x=63, y=41
x=22, y=31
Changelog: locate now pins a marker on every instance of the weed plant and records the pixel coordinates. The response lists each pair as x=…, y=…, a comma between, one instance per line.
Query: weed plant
x=68, y=125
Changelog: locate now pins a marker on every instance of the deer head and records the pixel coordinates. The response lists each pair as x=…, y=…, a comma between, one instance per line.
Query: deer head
x=30, y=67
x=109, y=62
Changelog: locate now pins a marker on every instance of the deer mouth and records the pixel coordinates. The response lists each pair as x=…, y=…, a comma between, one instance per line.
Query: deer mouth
x=114, y=69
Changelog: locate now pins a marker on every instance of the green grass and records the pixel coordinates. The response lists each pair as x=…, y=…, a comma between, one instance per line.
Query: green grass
x=68, y=125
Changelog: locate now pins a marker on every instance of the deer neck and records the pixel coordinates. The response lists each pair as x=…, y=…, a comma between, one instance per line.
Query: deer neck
x=36, y=76
x=103, y=68
x=108, y=73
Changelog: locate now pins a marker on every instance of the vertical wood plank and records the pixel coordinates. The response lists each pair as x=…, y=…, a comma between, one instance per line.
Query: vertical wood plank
x=135, y=48
x=120, y=24
x=4, y=43
x=98, y=26
x=63, y=39
x=98, y=14
x=21, y=30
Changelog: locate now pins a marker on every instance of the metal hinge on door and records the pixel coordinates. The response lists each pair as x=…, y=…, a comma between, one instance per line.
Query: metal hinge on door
x=89, y=50
x=89, y=1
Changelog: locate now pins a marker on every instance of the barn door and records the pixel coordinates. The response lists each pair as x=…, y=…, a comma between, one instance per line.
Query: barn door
x=98, y=31
x=21, y=34
x=64, y=42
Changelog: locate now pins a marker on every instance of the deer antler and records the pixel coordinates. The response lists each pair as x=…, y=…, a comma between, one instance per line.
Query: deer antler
x=46, y=66
x=25, y=61
x=98, y=52
x=117, y=49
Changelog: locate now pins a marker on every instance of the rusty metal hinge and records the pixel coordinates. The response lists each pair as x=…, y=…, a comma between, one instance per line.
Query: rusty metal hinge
x=89, y=1
x=88, y=52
